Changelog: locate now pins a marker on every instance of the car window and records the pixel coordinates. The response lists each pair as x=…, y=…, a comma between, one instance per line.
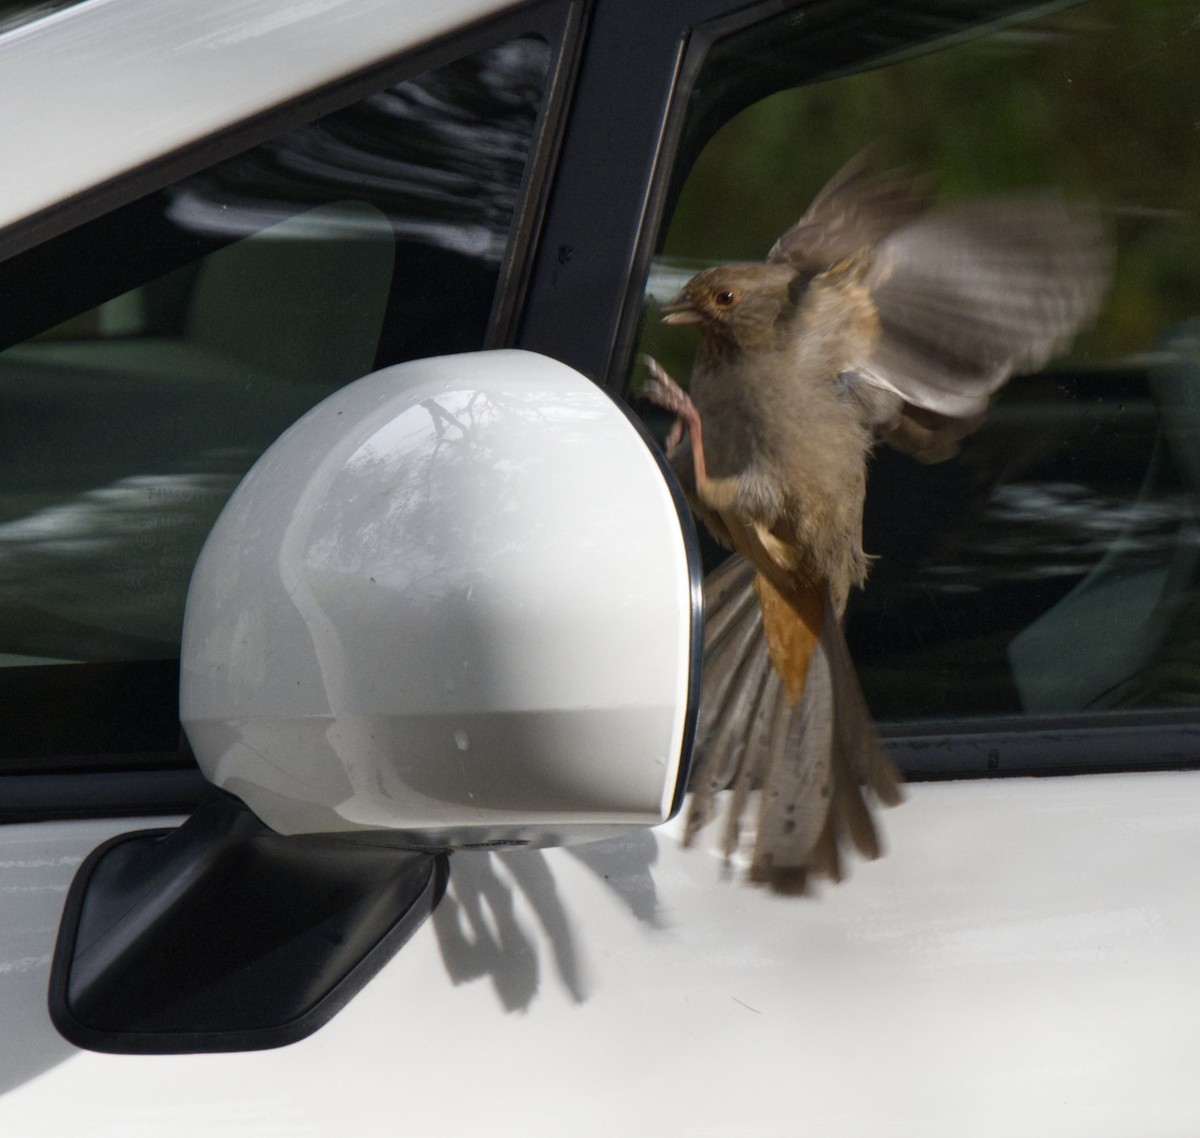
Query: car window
x=1051, y=568
x=149, y=357
x=13, y=13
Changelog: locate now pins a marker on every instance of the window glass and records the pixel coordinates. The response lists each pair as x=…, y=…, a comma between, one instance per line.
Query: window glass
x=236, y=300
x=1052, y=567
x=149, y=357
x=13, y=13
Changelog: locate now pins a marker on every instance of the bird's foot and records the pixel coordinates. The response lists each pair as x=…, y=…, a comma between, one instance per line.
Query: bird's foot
x=661, y=390
x=717, y=494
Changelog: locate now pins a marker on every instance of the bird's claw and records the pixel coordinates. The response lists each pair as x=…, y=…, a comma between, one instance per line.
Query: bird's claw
x=661, y=390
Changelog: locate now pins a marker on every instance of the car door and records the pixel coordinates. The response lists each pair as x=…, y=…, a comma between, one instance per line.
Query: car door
x=380, y=187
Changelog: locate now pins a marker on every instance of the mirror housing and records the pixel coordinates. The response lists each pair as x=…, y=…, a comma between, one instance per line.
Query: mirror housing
x=456, y=605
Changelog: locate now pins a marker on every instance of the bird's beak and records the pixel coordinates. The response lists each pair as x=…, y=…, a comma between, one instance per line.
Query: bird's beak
x=681, y=311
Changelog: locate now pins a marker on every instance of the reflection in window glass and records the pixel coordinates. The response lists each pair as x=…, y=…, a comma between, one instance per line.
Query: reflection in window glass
x=14, y=13
x=1052, y=567
x=170, y=343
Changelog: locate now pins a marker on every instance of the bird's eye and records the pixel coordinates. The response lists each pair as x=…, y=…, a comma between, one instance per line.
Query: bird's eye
x=724, y=298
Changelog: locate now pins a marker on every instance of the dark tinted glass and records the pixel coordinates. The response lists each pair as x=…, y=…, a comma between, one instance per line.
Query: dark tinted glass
x=13, y=13
x=1052, y=567
x=152, y=355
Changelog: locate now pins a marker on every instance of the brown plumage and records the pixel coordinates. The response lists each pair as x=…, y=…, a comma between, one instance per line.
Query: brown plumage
x=874, y=317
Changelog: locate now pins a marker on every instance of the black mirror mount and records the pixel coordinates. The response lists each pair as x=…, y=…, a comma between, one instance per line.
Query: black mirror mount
x=223, y=935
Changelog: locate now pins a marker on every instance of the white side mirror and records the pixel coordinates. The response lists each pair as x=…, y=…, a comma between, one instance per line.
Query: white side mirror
x=451, y=606
x=456, y=605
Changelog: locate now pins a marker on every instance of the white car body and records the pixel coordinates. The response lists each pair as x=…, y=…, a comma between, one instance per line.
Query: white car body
x=171, y=73
x=1020, y=963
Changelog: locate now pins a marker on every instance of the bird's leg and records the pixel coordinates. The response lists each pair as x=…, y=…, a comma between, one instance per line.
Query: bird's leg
x=715, y=493
x=662, y=390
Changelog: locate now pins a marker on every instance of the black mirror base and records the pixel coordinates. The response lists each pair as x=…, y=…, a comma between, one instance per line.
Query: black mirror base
x=223, y=935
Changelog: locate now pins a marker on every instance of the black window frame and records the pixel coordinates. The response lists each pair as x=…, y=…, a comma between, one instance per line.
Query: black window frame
x=587, y=298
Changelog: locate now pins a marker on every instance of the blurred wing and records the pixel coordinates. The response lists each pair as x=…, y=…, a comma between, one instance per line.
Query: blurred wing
x=926, y=435
x=857, y=209
x=969, y=295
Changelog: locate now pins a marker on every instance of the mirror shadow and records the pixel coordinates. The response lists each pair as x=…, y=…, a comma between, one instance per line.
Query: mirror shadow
x=480, y=935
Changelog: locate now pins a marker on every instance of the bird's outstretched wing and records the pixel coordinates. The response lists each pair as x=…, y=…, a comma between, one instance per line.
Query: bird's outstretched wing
x=969, y=295
x=966, y=295
x=856, y=210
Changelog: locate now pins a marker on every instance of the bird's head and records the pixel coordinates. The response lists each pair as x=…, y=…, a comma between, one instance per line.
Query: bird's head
x=739, y=303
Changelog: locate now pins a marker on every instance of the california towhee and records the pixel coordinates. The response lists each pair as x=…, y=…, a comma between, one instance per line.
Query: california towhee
x=874, y=317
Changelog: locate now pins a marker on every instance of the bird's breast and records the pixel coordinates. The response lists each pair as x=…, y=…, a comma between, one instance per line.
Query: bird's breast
x=775, y=412
x=799, y=450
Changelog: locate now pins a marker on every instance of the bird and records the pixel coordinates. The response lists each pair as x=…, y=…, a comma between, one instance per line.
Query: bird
x=879, y=316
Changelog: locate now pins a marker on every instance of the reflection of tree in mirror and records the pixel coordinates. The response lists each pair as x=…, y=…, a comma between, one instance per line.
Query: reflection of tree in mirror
x=425, y=460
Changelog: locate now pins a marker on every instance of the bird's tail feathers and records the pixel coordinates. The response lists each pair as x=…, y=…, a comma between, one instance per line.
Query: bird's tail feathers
x=810, y=748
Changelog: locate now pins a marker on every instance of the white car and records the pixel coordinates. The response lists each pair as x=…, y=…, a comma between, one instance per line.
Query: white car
x=350, y=619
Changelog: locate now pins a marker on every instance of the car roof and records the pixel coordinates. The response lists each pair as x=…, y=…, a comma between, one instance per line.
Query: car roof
x=95, y=90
